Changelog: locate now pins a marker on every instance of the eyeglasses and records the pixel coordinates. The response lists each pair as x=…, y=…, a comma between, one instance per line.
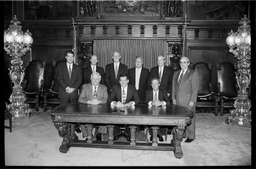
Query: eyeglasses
x=184, y=62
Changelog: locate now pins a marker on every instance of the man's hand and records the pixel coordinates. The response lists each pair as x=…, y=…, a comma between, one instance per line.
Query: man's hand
x=174, y=102
x=94, y=102
x=119, y=104
x=128, y=104
x=70, y=90
x=191, y=104
x=157, y=103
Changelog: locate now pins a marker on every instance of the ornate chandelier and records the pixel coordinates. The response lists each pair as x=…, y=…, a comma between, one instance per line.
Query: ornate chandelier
x=17, y=44
x=240, y=45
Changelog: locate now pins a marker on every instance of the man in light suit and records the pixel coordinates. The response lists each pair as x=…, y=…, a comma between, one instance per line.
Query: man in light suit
x=157, y=97
x=113, y=70
x=164, y=73
x=94, y=94
x=123, y=95
x=138, y=77
x=87, y=71
x=69, y=77
x=185, y=91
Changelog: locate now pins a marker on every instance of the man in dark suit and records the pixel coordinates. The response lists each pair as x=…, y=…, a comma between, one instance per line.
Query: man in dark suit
x=164, y=73
x=123, y=95
x=69, y=77
x=157, y=97
x=185, y=91
x=138, y=77
x=87, y=71
x=113, y=70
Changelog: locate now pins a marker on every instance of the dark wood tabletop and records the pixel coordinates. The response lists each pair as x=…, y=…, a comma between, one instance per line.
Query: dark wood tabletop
x=139, y=114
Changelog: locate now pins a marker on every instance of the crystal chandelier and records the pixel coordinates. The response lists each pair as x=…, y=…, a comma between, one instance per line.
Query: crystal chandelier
x=240, y=45
x=17, y=44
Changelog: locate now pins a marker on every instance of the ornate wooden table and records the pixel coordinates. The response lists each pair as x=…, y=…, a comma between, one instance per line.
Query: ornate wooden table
x=65, y=117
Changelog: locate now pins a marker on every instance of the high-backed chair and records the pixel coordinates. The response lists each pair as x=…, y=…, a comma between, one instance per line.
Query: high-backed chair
x=227, y=86
x=206, y=97
x=51, y=94
x=33, y=82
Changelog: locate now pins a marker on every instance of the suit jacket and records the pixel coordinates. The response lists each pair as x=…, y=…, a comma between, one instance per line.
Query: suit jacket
x=166, y=81
x=187, y=90
x=64, y=81
x=116, y=95
x=110, y=79
x=87, y=71
x=87, y=93
x=143, y=82
x=162, y=96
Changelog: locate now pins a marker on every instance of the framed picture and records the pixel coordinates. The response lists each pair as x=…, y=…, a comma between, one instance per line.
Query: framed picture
x=217, y=10
x=49, y=10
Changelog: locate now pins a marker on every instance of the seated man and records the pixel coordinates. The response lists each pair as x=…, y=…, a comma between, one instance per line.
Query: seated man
x=94, y=94
x=123, y=95
x=156, y=97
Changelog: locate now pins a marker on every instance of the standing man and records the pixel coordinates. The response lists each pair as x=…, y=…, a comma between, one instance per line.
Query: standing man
x=164, y=74
x=87, y=71
x=157, y=97
x=69, y=77
x=113, y=70
x=184, y=92
x=139, y=77
x=123, y=95
x=94, y=93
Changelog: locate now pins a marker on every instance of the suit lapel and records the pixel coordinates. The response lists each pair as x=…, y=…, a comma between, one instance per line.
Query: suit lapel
x=186, y=76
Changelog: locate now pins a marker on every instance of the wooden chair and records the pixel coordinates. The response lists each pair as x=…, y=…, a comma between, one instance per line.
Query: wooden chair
x=206, y=98
x=51, y=94
x=227, y=86
x=8, y=115
x=33, y=82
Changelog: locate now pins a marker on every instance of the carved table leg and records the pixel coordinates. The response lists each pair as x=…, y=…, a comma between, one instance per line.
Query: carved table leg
x=154, y=132
x=89, y=131
x=73, y=134
x=132, y=129
x=177, y=138
x=110, y=134
x=64, y=132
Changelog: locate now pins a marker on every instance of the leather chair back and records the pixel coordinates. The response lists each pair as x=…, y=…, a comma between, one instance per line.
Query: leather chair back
x=227, y=79
x=48, y=75
x=204, y=74
x=33, y=76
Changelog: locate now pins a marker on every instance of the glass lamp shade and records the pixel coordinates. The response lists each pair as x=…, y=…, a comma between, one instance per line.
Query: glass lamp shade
x=27, y=39
x=8, y=37
x=247, y=39
x=230, y=40
x=18, y=38
x=239, y=39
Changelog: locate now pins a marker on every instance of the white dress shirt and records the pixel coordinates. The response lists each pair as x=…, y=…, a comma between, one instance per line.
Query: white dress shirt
x=137, y=77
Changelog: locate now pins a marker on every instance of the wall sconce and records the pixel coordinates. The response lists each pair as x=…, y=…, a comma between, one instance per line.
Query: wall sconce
x=240, y=45
x=17, y=44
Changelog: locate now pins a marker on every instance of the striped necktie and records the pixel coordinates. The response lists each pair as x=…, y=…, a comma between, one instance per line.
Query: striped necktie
x=95, y=92
x=181, y=76
x=69, y=71
x=155, y=96
x=123, y=96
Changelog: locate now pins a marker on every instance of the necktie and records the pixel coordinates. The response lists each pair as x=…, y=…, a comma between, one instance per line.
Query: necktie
x=155, y=96
x=95, y=92
x=123, y=96
x=160, y=74
x=69, y=71
x=94, y=69
x=181, y=76
x=116, y=70
x=137, y=79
